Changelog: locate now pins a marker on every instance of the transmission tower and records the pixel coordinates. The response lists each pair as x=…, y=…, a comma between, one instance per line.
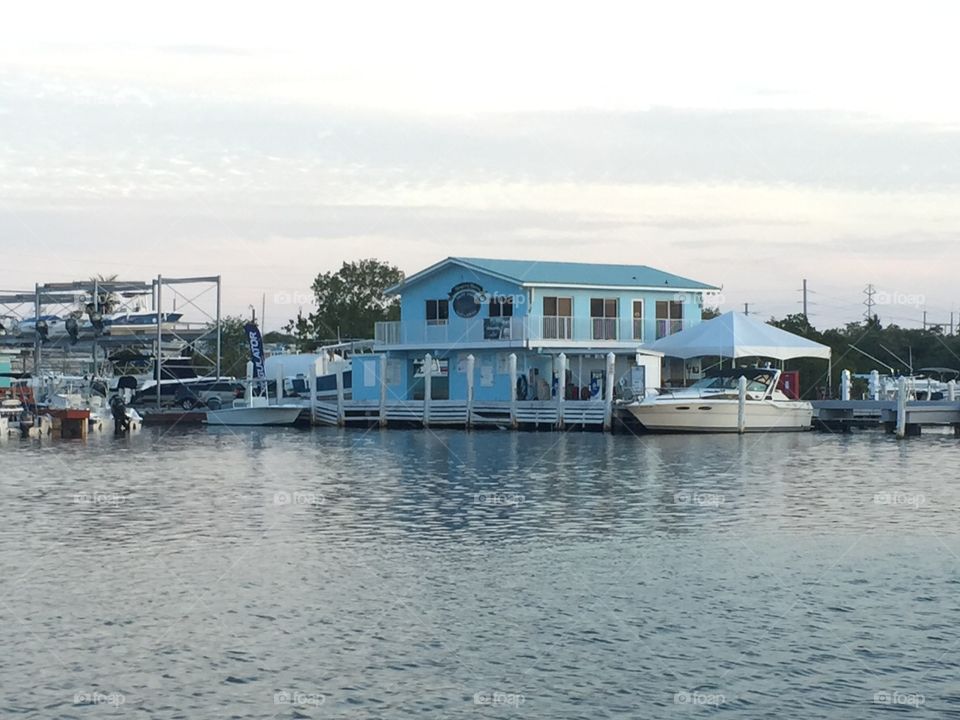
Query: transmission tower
x=869, y=291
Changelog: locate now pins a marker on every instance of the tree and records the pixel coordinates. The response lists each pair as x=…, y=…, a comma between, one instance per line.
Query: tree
x=349, y=303
x=234, y=349
x=106, y=302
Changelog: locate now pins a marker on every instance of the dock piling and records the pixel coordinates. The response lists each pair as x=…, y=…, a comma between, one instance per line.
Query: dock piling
x=471, y=363
x=427, y=387
x=742, y=404
x=512, y=360
x=608, y=400
x=383, y=390
x=902, y=407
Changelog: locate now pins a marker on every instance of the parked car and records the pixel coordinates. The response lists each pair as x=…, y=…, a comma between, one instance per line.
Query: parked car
x=209, y=394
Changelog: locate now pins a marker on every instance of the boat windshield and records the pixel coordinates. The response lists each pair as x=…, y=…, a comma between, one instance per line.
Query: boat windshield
x=728, y=382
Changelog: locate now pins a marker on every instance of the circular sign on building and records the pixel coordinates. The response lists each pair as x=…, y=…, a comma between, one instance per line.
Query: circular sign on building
x=467, y=299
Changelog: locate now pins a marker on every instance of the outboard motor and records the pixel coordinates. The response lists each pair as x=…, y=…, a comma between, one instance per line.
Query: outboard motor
x=121, y=423
x=26, y=422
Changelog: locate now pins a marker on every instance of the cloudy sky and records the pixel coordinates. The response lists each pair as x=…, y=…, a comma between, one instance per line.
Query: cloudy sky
x=749, y=145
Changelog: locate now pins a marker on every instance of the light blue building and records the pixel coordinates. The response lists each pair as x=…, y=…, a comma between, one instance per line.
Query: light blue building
x=491, y=309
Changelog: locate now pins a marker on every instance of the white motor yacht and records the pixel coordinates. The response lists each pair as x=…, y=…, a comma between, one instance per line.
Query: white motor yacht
x=713, y=405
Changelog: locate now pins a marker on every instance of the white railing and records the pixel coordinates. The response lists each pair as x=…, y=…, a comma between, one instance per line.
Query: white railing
x=516, y=330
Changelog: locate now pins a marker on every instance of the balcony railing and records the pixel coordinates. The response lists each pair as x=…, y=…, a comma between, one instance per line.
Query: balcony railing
x=515, y=330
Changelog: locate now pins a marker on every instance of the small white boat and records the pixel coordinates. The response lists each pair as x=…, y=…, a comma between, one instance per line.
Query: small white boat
x=713, y=405
x=256, y=411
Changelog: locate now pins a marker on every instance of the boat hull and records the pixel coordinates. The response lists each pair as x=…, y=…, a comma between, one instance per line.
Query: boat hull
x=255, y=416
x=703, y=415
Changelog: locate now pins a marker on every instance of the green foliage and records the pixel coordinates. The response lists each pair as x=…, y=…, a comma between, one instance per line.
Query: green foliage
x=234, y=349
x=894, y=350
x=349, y=303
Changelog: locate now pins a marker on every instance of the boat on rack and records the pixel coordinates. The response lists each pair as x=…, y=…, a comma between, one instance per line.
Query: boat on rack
x=713, y=405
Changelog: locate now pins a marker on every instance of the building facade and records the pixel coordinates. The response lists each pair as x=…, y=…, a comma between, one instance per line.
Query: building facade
x=491, y=309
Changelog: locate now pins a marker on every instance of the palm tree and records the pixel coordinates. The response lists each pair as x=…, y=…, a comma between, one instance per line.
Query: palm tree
x=105, y=302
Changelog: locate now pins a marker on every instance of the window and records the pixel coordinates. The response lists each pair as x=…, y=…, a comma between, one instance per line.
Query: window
x=438, y=312
x=638, y=319
x=557, y=318
x=669, y=317
x=603, y=314
x=501, y=306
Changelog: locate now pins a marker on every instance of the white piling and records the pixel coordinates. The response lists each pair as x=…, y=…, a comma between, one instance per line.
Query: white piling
x=742, y=404
x=341, y=414
x=279, y=381
x=845, y=385
x=248, y=391
x=874, y=384
x=512, y=360
x=471, y=363
x=952, y=391
x=608, y=400
x=312, y=379
x=561, y=387
x=902, y=407
x=427, y=387
x=383, y=389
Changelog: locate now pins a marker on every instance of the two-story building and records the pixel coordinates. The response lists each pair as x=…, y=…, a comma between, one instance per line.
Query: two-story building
x=536, y=310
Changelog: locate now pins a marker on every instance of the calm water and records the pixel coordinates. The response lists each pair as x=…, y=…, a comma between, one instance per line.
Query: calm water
x=351, y=574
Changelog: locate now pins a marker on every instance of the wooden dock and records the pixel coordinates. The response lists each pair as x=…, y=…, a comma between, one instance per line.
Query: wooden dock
x=903, y=417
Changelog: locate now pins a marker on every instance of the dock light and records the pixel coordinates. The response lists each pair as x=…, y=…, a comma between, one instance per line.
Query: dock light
x=73, y=329
x=42, y=329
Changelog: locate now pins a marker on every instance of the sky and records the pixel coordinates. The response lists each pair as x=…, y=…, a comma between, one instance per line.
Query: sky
x=749, y=145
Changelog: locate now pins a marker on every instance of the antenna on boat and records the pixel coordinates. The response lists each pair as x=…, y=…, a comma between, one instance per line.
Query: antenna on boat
x=877, y=360
x=907, y=365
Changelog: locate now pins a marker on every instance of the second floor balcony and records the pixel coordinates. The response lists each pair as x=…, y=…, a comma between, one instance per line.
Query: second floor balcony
x=517, y=331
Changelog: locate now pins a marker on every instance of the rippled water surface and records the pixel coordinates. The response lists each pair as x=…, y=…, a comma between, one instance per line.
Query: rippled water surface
x=393, y=574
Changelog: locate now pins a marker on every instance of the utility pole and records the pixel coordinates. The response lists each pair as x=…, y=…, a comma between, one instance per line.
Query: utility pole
x=924, y=319
x=746, y=308
x=805, y=301
x=869, y=291
x=951, y=322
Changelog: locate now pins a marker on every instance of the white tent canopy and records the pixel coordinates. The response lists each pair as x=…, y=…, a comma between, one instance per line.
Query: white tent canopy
x=735, y=335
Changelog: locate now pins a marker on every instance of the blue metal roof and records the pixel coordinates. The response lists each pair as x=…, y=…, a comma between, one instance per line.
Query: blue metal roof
x=572, y=273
